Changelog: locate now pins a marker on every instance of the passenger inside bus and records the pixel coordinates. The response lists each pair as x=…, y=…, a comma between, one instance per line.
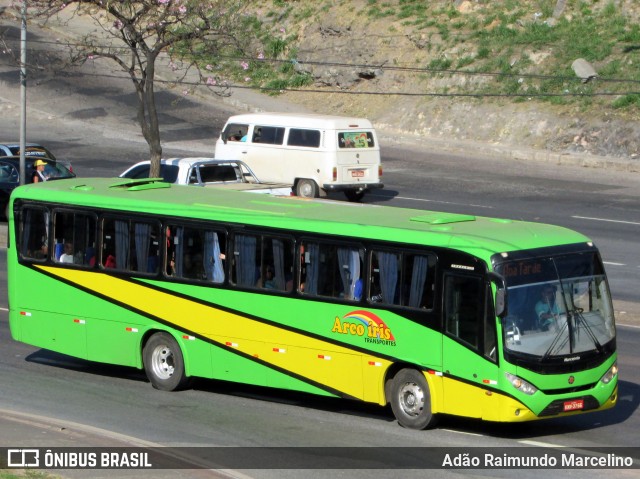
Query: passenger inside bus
x=67, y=256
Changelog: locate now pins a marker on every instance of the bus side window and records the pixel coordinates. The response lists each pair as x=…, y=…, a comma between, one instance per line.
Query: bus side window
x=331, y=270
x=418, y=280
x=385, y=277
x=264, y=262
x=404, y=279
x=75, y=233
x=462, y=308
x=276, y=268
x=195, y=254
x=34, y=241
x=132, y=245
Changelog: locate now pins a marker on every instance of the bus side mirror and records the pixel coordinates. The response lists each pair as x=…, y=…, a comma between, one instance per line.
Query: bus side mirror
x=501, y=303
x=501, y=294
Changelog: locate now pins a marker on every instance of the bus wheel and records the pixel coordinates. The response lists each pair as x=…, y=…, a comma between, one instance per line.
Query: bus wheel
x=163, y=363
x=307, y=188
x=411, y=400
x=354, y=195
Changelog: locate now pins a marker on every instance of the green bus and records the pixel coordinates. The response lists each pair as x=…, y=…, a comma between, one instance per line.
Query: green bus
x=432, y=313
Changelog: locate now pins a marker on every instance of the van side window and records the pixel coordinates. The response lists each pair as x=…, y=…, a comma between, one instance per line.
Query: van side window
x=355, y=139
x=309, y=138
x=270, y=135
x=236, y=132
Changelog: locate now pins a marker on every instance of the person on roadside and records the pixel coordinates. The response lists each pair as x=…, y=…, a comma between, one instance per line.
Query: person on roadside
x=38, y=172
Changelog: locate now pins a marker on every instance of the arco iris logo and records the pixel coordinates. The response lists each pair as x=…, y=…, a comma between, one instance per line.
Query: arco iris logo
x=366, y=325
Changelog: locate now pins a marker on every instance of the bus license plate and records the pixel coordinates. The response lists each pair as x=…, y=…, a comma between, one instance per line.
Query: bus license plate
x=357, y=173
x=573, y=405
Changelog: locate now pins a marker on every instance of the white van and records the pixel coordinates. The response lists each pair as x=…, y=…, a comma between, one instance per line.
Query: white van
x=315, y=154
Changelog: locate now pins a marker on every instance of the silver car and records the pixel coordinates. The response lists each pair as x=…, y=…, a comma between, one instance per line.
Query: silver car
x=230, y=174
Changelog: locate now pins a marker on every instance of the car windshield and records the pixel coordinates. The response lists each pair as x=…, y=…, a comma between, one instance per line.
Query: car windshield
x=557, y=306
x=56, y=171
x=8, y=173
x=169, y=173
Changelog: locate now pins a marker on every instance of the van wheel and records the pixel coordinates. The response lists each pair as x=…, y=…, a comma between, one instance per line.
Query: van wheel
x=411, y=400
x=307, y=189
x=354, y=195
x=163, y=363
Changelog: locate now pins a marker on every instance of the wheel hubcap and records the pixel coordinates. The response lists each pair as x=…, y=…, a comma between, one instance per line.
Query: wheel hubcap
x=411, y=399
x=306, y=190
x=162, y=362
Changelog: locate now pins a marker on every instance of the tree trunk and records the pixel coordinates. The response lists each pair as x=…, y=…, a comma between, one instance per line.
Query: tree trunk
x=148, y=117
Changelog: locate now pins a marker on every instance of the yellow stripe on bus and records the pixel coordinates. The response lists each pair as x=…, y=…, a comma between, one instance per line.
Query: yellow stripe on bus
x=319, y=361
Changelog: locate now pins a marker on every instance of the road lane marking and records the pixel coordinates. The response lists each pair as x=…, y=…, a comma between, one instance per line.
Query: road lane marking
x=607, y=220
x=614, y=264
x=463, y=432
x=432, y=201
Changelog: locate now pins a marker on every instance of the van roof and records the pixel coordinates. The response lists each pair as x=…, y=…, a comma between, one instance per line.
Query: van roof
x=304, y=120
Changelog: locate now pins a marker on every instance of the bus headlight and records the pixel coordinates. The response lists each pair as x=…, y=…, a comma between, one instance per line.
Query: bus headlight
x=520, y=384
x=610, y=374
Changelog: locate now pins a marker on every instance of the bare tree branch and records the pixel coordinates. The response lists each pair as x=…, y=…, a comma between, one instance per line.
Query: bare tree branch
x=135, y=34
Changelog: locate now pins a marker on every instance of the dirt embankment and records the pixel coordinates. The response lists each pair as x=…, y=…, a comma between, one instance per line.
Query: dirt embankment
x=341, y=39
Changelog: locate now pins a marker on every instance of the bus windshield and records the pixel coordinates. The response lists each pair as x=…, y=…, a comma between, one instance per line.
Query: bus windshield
x=557, y=306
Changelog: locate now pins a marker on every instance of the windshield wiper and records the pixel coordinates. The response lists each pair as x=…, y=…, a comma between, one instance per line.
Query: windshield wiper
x=554, y=344
x=581, y=321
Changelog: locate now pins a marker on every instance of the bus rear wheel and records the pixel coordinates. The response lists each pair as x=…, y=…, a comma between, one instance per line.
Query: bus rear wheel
x=164, y=363
x=411, y=400
x=306, y=188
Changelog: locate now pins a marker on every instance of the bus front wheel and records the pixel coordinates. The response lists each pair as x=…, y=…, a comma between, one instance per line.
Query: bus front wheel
x=411, y=400
x=164, y=363
x=306, y=188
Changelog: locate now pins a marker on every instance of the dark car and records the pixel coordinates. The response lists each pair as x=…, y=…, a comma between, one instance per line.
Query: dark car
x=31, y=150
x=10, y=175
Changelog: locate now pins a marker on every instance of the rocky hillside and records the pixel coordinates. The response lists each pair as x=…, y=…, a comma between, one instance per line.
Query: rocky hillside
x=492, y=72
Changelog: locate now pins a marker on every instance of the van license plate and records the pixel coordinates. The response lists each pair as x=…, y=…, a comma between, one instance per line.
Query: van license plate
x=573, y=405
x=357, y=173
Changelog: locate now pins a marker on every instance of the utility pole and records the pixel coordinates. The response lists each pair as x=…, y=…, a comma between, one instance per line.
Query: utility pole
x=23, y=91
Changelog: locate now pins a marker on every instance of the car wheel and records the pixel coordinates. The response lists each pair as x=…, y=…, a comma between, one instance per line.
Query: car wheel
x=307, y=188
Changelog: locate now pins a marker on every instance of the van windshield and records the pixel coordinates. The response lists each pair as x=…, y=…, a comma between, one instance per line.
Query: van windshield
x=355, y=139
